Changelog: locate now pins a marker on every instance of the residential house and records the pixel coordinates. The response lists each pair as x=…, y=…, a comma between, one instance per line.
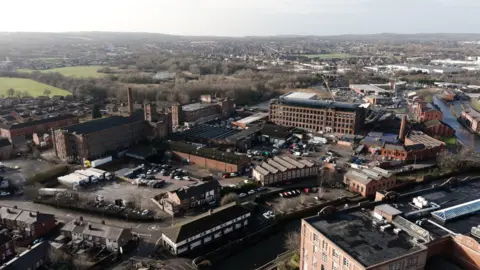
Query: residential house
x=9, y=216
x=35, y=224
x=180, y=200
x=207, y=228
x=101, y=235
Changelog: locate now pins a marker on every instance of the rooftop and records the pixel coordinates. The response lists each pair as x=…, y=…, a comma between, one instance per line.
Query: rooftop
x=37, y=122
x=197, y=106
x=94, y=229
x=301, y=95
x=196, y=189
x=201, y=223
x=418, y=137
x=252, y=118
x=208, y=153
x=366, y=175
x=317, y=104
x=368, y=88
x=357, y=235
x=104, y=123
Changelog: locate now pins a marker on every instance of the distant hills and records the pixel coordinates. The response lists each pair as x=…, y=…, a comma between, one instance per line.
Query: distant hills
x=155, y=37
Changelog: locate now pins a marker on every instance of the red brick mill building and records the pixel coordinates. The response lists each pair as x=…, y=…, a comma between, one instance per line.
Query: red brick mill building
x=18, y=132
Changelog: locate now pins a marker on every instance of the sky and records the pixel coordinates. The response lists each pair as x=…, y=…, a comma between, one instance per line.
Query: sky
x=242, y=17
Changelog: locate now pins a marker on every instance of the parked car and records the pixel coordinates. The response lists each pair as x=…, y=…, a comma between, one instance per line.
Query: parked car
x=250, y=192
x=241, y=195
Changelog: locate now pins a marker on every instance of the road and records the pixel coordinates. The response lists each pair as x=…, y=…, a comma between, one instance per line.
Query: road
x=150, y=232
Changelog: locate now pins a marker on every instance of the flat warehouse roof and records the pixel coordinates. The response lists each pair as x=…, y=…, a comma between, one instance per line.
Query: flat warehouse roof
x=301, y=95
x=356, y=235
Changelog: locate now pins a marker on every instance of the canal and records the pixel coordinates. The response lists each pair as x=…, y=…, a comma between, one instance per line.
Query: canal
x=466, y=137
x=261, y=253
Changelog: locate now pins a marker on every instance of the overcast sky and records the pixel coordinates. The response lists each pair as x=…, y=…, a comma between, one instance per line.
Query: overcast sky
x=243, y=17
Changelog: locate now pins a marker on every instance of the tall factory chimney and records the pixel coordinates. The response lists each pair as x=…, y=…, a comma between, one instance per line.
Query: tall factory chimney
x=130, y=101
x=392, y=85
x=403, y=127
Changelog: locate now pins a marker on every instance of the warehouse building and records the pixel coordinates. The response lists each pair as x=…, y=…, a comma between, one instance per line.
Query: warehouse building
x=367, y=181
x=252, y=119
x=305, y=111
x=208, y=107
x=278, y=170
x=209, y=158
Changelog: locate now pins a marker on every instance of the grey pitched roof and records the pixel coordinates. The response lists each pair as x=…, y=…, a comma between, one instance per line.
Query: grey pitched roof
x=196, y=189
x=104, y=123
x=204, y=222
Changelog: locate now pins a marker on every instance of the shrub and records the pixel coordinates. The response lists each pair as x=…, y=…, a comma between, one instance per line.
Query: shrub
x=47, y=175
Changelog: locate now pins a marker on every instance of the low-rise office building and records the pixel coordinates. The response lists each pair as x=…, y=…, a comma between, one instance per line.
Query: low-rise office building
x=367, y=181
x=278, y=170
x=220, y=223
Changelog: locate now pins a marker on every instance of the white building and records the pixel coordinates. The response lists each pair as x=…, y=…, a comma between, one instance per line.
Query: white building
x=206, y=228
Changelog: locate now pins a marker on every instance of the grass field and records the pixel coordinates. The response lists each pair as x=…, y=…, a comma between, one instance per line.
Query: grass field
x=34, y=88
x=80, y=71
x=328, y=55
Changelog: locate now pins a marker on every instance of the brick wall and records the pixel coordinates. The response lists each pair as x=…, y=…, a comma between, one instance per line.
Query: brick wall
x=208, y=163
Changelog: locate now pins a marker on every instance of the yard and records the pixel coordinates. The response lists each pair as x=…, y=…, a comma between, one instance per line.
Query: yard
x=80, y=71
x=31, y=87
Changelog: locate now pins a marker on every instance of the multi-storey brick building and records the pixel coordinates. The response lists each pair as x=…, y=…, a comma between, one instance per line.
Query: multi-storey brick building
x=304, y=110
x=441, y=234
x=102, y=137
x=471, y=118
x=98, y=138
x=208, y=107
x=23, y=130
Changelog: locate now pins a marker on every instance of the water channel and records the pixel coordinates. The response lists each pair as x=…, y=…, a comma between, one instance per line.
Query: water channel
x=466, y=137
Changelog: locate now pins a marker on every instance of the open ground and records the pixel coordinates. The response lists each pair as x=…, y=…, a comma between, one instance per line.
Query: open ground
x=80, y=71
x=33, y=88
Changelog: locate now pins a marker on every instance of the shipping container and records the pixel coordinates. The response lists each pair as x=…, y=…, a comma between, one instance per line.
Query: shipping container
x=51, y=191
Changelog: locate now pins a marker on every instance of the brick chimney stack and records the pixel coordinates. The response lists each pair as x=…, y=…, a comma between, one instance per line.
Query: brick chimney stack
x=130, y=100
x=403, y=127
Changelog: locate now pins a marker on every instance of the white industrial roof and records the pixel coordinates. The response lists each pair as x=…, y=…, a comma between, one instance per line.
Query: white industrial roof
x=301, y=95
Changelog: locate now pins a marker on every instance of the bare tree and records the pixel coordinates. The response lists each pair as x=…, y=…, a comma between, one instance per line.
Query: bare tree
x=228, y=198
x=292, y=241
x=283, y=206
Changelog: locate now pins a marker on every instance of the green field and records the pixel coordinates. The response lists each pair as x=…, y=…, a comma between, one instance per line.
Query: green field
x=80, y=71
x=328, y=55
x=34, y=88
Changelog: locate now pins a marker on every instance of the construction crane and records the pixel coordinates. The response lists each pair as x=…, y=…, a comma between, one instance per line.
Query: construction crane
x=328, y=88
